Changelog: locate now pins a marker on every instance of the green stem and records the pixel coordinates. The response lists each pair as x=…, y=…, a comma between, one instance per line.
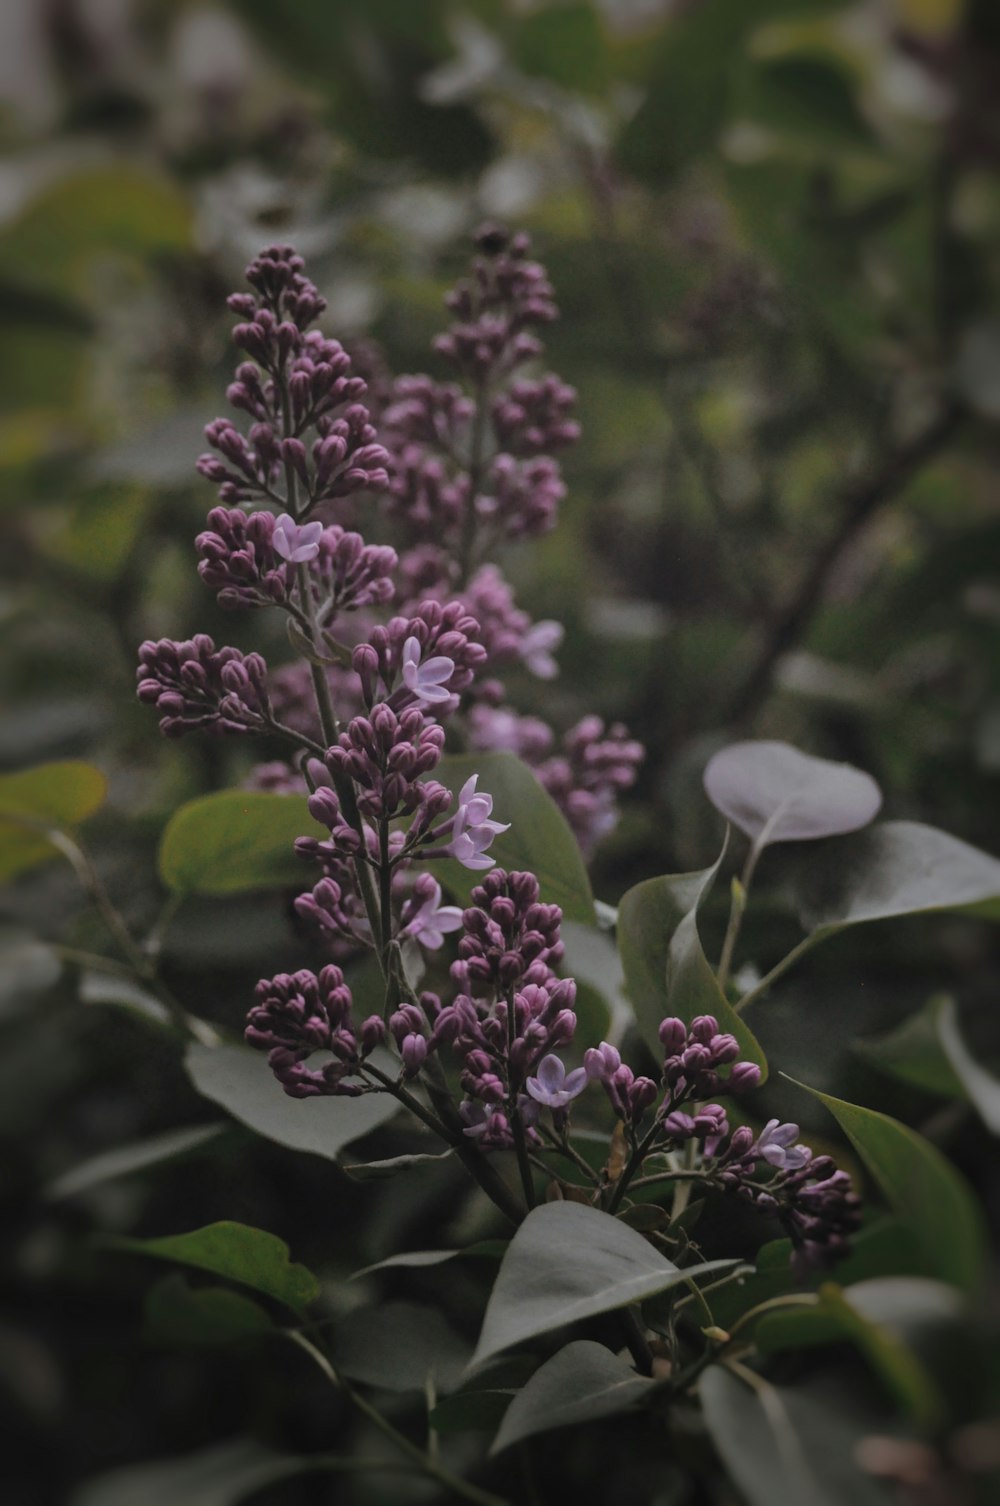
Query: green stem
x=632, y=1165
x=779, y=969
x=430, y=1466
x=514, y=1113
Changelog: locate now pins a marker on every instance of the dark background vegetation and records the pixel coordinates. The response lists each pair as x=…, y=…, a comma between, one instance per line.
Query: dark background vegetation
x=773, y=230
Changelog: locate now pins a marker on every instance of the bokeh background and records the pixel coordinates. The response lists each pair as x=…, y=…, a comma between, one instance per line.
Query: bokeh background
x=774, y=232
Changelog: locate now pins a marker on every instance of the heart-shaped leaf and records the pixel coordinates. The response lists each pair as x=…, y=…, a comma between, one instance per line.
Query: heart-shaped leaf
x=235, y=841
x=178, y=1314
x=539, y=840
x=922, y=1188
x=240, y=1081
x=774, y=793
x=783, y=1444
x=896, y=868
x=249, y=1256
x=581, y=1383
x=566, y=1262
x=399, y=1346
x=666, y=970
x=51, y=794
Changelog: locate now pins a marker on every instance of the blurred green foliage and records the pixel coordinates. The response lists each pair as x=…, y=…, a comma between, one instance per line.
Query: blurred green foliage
x=774, y=231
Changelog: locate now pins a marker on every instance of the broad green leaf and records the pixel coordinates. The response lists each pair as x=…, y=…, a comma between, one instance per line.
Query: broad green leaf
x=96, y=987
x=774, y=793
x=666, y=970
x=124, y=1160
x=100, y=533
x=539, y=840
x=52, y=794
x=580, y=1384
x=491, y=1249
x=399, y=1346
x=782, y=1445
x=914, y=1053
x=176, y=1313
x=861, y=1316
x=221, y=1475
x=251, y=1257
x=922, y=1188
x=983, y=1087
x=239, y=1080
x=102, y=214
x=234, y=841
x=895, y=868
x=567, y=1262
x=565, y=43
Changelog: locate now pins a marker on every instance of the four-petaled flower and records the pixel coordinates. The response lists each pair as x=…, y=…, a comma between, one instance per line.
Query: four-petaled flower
x=472, y=830
x=776, y=1145
x=294, y=542
x=432, y=920
x=426, y=681
x=553, y=1085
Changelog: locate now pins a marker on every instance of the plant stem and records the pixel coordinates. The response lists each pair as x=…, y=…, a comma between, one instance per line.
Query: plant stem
x=779, y=969
x=635, y=1160
x=635, y=1339
x=430, y=1466
x=514, y=1113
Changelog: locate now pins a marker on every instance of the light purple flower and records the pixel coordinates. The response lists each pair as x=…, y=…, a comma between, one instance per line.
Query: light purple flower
x=472, y=830
x=426, y=681
x=776, y=1145
x=296, y=543
x=537, y=646
x=553, y=1085
x=433, y=920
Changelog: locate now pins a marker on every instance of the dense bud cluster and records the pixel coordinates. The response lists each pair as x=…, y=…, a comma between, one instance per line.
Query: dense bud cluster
x=197, y=687
x=298, y=1014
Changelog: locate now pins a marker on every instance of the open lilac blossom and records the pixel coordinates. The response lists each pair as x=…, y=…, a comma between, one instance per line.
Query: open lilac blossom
x=553, y=1086
x=472, y=830
x=426, y=680
x=297, y=543
x=776, y=1145
x=430, y=921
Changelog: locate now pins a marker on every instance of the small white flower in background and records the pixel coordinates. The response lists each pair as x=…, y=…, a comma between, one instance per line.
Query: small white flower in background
x=537, y=647
x=472, y=830
x=294, y=542
x=427, y=680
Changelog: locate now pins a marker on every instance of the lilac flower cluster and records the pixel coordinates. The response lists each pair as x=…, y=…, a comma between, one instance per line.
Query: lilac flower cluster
x=512, y=1012
x=298, y=1014
x=296, y=380
x=196, y=687
x=483, y=454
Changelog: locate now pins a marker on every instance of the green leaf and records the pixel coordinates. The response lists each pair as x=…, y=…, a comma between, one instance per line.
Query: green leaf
x=491, y=1249
x=234, y=841
x=124, y=1160
x=567, y=1262
x=96, y=987
x=239, y=1080
x=100, y=533
x=914, y=1053
x=539, y=840
x=895, y=868
x=399, y=1346
x=666, y=970
x=922, y=1188
x=861, y=1315
x=52, y=794
x=581, y=1383
x=781, y=1444
x=377, y=1171
x=178, y=1314
x=774, y=793
x=218, y=1476
x=251, y=1257
x=983, y=1087
x=565, y=43
x=103, y=214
